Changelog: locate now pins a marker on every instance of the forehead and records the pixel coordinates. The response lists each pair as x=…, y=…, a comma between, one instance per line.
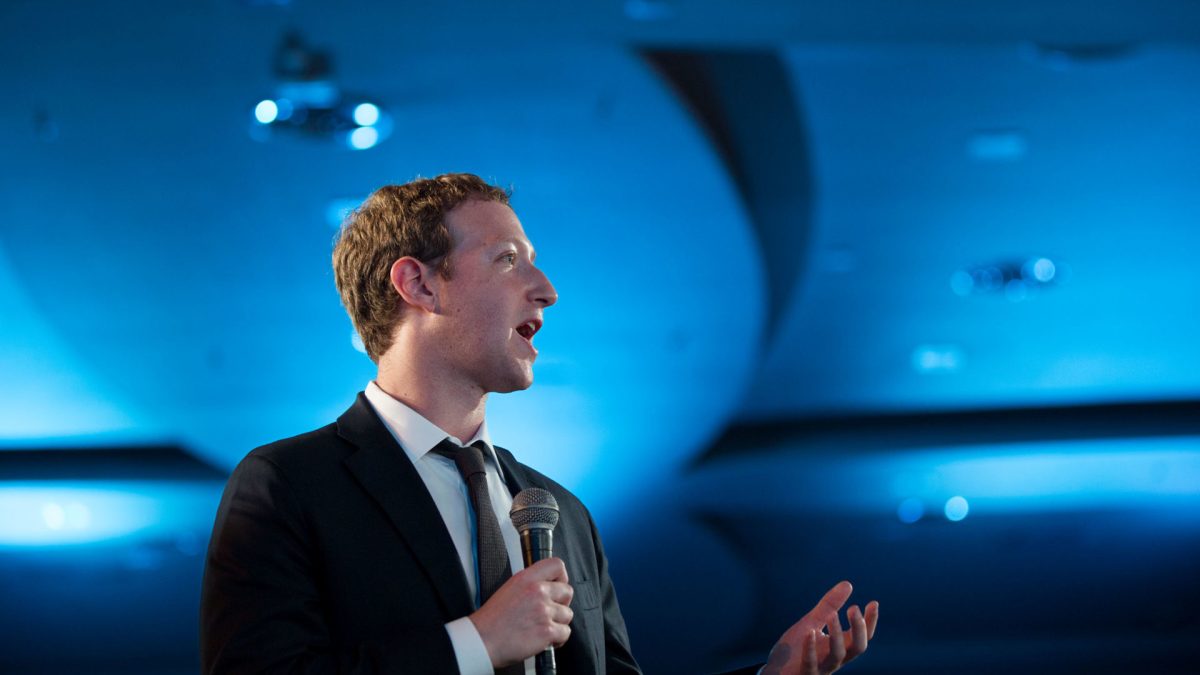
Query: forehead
x=478, y=223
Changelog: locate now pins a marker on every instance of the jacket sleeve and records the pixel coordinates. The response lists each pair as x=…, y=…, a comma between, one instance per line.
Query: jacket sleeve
x=261, y=608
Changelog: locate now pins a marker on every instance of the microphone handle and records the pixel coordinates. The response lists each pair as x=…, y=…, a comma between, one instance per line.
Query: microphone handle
x=537, y=543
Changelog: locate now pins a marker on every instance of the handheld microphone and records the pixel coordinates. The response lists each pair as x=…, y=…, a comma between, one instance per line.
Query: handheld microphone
x=535, y=513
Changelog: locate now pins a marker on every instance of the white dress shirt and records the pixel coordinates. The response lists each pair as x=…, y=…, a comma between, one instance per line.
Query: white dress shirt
x=417, y=436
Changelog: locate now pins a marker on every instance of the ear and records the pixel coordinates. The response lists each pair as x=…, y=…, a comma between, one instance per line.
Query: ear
x=412, y=280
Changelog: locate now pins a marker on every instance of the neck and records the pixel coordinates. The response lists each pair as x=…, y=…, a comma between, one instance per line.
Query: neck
x=457, y=408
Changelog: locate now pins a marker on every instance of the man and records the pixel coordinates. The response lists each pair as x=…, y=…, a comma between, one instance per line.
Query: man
x=360, y=547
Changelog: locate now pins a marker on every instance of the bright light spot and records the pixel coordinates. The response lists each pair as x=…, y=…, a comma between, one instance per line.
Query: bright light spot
x=357, y=343
x=49, y=514
x=78, y=516
x=363, y=138
x=1131, y=471
x=932, y=358
x=962, y=283
x=956, y=508
x=366, y=114
x=266, y=111
x=1043, y=270
x=54, y=516
x=911, y=510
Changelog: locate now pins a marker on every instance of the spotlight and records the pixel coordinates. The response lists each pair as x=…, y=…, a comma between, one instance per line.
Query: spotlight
x=363, y=138
x=308, y=103
x=366, y=114
x=1016, y=280
x=1042, y=269
x=266, y=111
x=956, y=508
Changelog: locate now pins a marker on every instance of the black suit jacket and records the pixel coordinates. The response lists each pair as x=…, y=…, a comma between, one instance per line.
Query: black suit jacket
x=329, y=556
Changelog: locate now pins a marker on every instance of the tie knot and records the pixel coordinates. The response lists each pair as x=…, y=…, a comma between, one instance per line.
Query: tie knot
x=468, y=458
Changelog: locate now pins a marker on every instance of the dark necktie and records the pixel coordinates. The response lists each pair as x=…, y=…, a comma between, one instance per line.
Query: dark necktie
x=490, y=551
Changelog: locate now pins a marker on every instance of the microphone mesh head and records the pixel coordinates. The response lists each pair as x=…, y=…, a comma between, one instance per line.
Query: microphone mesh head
x=534, y=508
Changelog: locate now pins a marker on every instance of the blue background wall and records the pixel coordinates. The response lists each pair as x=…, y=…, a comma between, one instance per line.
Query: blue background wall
x=899, y=294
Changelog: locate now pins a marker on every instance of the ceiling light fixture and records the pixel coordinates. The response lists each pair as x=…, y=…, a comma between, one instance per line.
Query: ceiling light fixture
x=308, y=103
x=1016, y=280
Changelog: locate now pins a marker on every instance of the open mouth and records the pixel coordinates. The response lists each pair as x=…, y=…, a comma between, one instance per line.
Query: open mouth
x=528, y=329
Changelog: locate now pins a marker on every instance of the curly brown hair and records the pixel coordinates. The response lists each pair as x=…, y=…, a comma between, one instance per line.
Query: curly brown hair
x=394, y=222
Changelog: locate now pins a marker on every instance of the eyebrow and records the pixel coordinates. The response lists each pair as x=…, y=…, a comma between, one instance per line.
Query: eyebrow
x=518, y=243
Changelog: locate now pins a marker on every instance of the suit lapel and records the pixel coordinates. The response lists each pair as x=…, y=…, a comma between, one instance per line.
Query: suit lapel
x=577, y=655
x=386, y=474
x=514, y=476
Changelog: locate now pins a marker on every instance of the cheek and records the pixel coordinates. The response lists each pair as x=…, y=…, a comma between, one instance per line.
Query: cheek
x=483, y=324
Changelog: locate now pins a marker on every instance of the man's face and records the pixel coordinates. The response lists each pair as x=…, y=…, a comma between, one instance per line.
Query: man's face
x=492, y=304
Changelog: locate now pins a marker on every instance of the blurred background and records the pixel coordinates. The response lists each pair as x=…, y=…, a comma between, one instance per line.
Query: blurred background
x=904, y=293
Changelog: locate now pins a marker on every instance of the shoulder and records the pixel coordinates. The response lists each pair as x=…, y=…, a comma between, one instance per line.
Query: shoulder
x=296, y=458
x=567, y=501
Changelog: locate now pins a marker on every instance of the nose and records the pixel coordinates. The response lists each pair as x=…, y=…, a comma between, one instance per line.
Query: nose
x=543, y=292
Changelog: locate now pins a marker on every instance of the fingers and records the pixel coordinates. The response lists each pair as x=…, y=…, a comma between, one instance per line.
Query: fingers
x=858, y=633
x=529, y=612
x=556, y=595
x=837, y=645
x=808, y=647
x=560, y=592
x=549, y=576
x=833, y=600
x=561, y=614
x=550, y=569
x=806, y=650
x=560, y=629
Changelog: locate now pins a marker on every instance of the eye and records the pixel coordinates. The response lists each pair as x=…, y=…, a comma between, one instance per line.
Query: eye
x=510, y=257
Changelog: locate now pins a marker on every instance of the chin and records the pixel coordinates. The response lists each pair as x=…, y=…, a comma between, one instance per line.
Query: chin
x=515, y=382
x=514, y=386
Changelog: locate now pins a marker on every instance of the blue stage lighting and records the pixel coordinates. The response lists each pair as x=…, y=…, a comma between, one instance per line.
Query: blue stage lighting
x=957, y=508
x=54, y=513
x=47, y=514
x=937, y=358
x=363, y=138
x=1043, y=270
x=366, y=114
x=266, y=111
x=285, y=109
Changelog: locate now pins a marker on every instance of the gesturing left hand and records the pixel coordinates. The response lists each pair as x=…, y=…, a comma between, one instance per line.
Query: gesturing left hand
x=807, y=650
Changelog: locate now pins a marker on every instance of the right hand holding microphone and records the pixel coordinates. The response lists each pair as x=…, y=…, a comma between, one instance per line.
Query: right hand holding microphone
x=529, y=612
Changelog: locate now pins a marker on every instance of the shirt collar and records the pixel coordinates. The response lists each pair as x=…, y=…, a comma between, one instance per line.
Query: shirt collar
x=416, y=434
